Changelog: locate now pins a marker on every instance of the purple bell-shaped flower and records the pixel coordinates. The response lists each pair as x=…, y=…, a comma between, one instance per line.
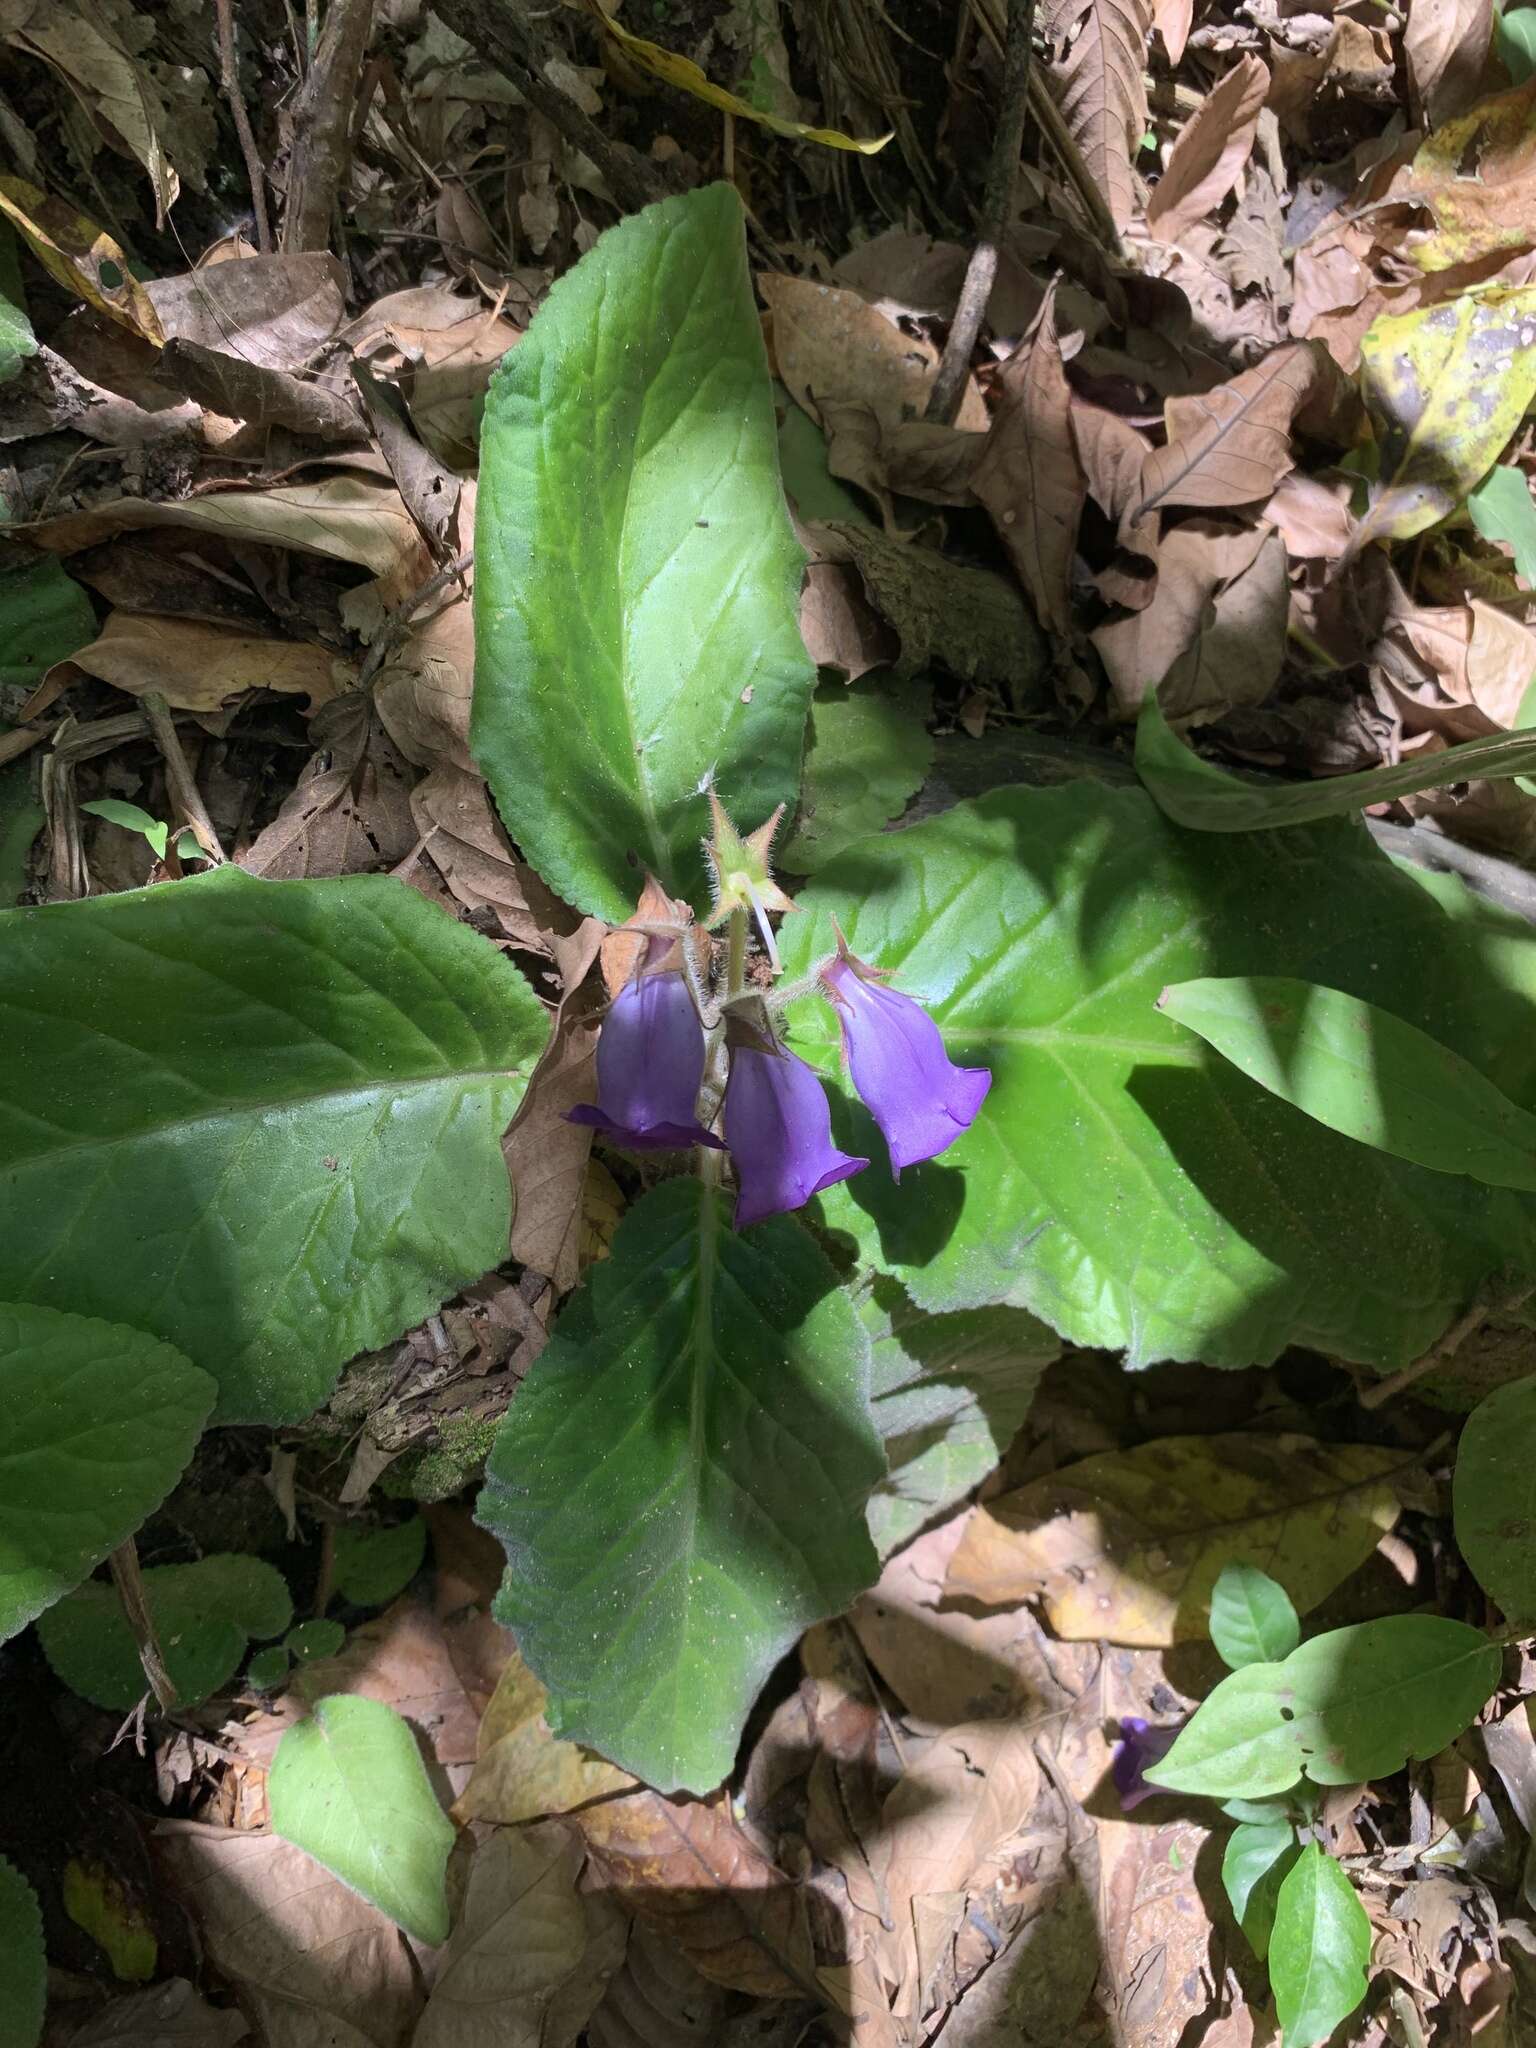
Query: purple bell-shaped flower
x=919, y=1098
x=650, y=1066
x=1141, y=1747
x=779, y=1130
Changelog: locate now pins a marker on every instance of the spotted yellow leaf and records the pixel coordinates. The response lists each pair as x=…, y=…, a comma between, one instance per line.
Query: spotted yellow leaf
x=1445, y=387
x=80, y=256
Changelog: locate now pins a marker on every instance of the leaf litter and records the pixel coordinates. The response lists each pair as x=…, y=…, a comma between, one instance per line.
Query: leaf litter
x=1246, y=425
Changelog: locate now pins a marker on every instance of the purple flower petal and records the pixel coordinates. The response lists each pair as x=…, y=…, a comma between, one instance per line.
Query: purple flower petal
x=1139, y=1748
x=920, y=1099
x=650, y=1066
x=779, y=1129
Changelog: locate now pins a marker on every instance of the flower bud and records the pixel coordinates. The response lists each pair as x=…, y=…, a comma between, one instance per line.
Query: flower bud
x=920, y=1099
x=650, y=1067
x=779, y=1129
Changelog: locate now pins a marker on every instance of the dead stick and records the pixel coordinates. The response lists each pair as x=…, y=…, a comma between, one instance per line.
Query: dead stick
x=1440, y=1352
x=129, y=1580
x=255, y=170
x=185, y=793
x=997, y=212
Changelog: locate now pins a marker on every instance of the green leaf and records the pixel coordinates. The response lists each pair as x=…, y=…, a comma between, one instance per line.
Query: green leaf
x=21, y=819
x=1196, y=793
x=132, y=819
x=637, y=589
x=1253, y=1867
x=23, y=1967
x=869, y=751
x=949, y=1392
x=349, y=1788
x=1354, y=1704
x=261, y=1120
x=312, y=1639
x=1252, y=1619
x=373, y=1565
x=17, y=341
x=1495, y=1497
x=99, y=1421
x=681, y=1482
x=268, y=1669
x=1363, y=1072
x=1121, y=1182
x=1318, y=1950
x=1502, y=509
x=1262, y=1813
x=45, y=617
x=204, y=1615
x=1515, y=40
x=814, y=491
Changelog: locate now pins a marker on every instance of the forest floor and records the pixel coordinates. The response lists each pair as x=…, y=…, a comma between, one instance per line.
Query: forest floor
x=248, y=315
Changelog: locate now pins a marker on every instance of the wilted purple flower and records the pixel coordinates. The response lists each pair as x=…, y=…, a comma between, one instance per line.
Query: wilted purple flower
x=1139, y=1748
x=650, y=1065
x=779, y=1129
x=919, y=1098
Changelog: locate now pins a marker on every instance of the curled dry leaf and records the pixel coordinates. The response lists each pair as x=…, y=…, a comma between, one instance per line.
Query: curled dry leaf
x=1030, y=477
x=1476, y=178
x=1231, y=445
x=275, y=312
x=1460, y=671
x=831, y=345
x=547, y=1155
x=1445, y=43
x=198, y=667
x=1126, y=1547
x=267, y=398
x=523, y=1772
x=1209, y=156
x=1103, y=97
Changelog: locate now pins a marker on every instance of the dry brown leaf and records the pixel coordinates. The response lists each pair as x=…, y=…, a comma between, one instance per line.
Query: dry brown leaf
x=840, y=628
x=199, y=667
x=1476, y=178
x=350, y=811
x=657, y=1999
x=521, y=1934
x=1209, y=156
x=522, y=1771
x=168, y=2015
x=451, y=369
x=314, y=1964
x=1445, y=43
x=1030, y=477
x=546, y=1154
x=1460, y=671
x=969, y=1792
x=687, y=1868
x=1172, y=20
x=1213, y=635
x=442, y=505
x=266, y=398
x=1232, y=445
x=273, y=311
x=1313, y=516
x=917, y=457
x=1155, y=1930
x=1100, y=86
x=832, y=346
x=423, y=692
x=1125, y=1547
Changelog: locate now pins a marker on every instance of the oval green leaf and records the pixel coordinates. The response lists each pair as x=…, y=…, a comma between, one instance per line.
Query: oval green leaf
x=23, y=1966
x=1110, y=1183
x=637, y=580
x=1363, y=1072
x=1253, y=1867
x=349, y=1788
x=373, y=1565
x=1252, y=1619
x=204, y=1614
x=680, y=1484
x=99, y=1422
x=1351, y=1705
x=260, y=1120
x=1495, y=1497
x=1318, y=1949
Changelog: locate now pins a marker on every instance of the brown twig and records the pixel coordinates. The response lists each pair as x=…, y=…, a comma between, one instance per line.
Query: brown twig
x=129, y=1581
x=1442, y=1351
x=322, y=125
x=185, y=793
x=996, y=213
x=503, y=36
x=396, y=626
x=255, y=170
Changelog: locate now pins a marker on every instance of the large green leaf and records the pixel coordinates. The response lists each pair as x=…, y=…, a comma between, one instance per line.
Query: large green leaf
x=204, y=1614
x=45, y=616
x=1196, y=793
x=23, y=1967
x=1355, y=1703
x=349, y=1788
x=1253, y=1868
x=1502, y=508
x=1318, y=1949
x=99, y=1421
x=1362, y=1071
x=260, y=1120
x=1495, y=1497
x=949, y=1393
x=1121, y=1181
x=637, y=580
x=681, y=1483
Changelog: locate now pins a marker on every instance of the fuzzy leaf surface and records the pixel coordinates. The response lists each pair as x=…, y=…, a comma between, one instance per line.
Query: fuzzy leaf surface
x=259, y=1120
x=637, y=584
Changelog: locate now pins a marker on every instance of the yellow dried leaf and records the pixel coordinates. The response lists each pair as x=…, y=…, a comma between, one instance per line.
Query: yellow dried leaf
x=84, y=259
x=672, y=69
x=523, y=1771
x=1477, y=177
x=1445, y=386
x=1125, y=1547
x=602, y=1207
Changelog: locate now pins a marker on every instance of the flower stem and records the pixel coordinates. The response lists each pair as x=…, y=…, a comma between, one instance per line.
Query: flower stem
x=736, y=958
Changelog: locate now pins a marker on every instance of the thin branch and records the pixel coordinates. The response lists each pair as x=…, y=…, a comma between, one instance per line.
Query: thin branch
x=997, y=212
x=185, y=793
x=322, y=125
x=129, y=1580
x=255, y=170
x=397, y=625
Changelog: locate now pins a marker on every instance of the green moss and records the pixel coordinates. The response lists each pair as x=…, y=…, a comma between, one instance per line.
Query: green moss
x=456, y=1460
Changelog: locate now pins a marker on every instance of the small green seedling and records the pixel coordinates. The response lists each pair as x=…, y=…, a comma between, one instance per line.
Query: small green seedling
x=155, y=830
